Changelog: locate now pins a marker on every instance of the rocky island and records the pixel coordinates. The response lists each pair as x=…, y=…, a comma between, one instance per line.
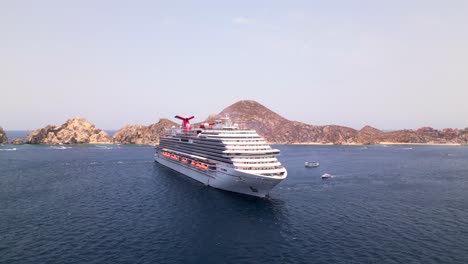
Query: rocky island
x=3, y=137
x=73, y=131
x=17, y=141
x=139, y=134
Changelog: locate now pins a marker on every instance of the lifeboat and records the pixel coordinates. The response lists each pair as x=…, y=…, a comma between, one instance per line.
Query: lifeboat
x=199, y=165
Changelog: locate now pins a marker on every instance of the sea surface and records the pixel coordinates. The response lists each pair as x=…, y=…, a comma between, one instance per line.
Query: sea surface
x=113, y=204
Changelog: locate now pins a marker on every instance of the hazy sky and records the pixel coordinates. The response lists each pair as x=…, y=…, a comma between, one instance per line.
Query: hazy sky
x=391, y=64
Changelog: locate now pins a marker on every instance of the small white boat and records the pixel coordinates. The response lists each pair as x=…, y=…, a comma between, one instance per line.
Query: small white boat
x=327, y=176
x=312, y=164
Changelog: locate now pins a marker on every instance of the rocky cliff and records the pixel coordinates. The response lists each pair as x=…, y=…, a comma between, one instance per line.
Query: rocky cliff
x=3, y=137
x=73, y=131
x=139, y=134
x=277, y=129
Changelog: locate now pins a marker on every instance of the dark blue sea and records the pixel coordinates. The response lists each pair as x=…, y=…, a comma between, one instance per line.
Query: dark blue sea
x=113, y=204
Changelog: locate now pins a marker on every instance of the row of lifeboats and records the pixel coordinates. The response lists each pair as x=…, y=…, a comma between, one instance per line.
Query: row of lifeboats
x=171, y=156
x=199, y=165
x=196, y=164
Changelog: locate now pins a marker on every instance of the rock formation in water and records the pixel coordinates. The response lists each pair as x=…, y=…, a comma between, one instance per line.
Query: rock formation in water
x=277, y=129
x=73, y=131
x=139, y=134
x=17, y=141
x=248, y=114
x=3, y=136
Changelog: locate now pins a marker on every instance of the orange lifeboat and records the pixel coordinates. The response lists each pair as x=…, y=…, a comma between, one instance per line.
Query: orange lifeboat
x=199, y=165
x=202, y=166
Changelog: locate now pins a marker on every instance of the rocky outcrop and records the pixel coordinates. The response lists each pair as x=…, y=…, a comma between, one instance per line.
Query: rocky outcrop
x=17, y=141
x=139, y=134
x=73, y=131
x=3, y=137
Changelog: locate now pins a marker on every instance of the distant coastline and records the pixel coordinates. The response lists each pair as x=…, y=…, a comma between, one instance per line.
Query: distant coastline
x=376, y=144
x=422, y=144
x=248, y=114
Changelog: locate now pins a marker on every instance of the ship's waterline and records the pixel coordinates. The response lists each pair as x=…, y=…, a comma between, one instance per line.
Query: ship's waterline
x=223, y=156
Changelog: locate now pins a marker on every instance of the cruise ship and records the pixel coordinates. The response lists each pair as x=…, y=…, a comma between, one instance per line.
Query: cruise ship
x=221, y=155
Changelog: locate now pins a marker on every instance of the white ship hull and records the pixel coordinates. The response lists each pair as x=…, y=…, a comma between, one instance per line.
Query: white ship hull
x=230, y=180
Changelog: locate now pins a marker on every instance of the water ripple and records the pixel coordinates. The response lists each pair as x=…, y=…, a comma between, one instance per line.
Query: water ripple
x=86, y=205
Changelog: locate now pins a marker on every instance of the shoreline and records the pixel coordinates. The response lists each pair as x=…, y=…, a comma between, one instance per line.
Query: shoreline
x=380, y=143
x=420, y=144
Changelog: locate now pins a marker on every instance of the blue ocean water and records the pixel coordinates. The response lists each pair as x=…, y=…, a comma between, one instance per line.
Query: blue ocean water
x=12, y=134
x=113, y=204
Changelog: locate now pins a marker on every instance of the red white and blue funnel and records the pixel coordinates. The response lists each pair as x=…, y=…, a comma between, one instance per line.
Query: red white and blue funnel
x=185, y=122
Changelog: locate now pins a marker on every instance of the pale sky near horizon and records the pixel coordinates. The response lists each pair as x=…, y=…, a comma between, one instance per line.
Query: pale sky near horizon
x=389, y=64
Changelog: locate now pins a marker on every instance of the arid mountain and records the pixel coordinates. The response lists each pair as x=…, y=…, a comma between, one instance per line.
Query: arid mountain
x=250, y=114
x=370, y=135
x=139, y=134
x=277, y=129
x=3, y=137
x=247, y=114
x=73, y=131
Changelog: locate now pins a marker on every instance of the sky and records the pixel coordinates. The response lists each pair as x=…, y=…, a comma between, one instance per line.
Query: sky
x=389, y=64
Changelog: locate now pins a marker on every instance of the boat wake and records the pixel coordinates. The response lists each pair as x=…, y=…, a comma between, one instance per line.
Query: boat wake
x=59, y=147
x=8, y=149
x=106, y=147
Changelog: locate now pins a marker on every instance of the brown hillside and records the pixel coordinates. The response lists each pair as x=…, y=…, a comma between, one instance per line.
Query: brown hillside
x=277, y=129
x=139, y=134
